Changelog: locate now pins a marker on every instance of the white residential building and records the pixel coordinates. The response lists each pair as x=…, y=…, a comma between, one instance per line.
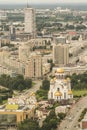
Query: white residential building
x=30, y=21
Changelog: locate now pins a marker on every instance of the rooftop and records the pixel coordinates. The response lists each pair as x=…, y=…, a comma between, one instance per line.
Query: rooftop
x=11, y=107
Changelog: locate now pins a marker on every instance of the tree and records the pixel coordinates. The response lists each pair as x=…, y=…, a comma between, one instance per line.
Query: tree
x=51, y=64
x=28, y=83
x=0, y=100
x=15, y=83
x=42, y=94
x=20, y=87
x=45, y=84
x=69, y=26
x=50, y=122
x=61, y=115
x=75, y=38
x=28, y=124
x=4, y=80
x=79, y=27
x=79, y=81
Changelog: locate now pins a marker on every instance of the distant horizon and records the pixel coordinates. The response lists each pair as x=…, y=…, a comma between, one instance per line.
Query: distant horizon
x=49, y=3
x=42, y=1
x=75, y=6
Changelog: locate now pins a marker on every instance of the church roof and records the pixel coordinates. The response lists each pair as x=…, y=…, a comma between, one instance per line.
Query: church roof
x=60, y=70
x=68, y=78
x=32, y=94
x=58, y=93
x=52, y=80
x=65, y=80
x=70, y=92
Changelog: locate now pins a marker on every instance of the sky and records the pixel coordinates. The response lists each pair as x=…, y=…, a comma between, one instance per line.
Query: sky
x=42, y=1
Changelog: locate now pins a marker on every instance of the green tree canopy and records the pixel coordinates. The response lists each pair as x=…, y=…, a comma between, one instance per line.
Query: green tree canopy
x=45, y=84
x=29, y=124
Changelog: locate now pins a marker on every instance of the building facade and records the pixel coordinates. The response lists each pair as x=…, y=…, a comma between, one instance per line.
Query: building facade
x=84, y=122
x=30, y=21
x=72, y=69
x=60, y=54
x=59, y=40
x=12, y=33
x=33, y=67
x=24, y=52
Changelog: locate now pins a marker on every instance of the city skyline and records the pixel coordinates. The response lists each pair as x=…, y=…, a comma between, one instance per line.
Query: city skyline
x=43, y=1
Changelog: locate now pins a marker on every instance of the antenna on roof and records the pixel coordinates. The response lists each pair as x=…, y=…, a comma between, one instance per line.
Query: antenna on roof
x=27, y=4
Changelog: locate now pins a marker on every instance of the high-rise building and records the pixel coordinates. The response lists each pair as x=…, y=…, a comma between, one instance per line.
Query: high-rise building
x=59, y=40
x=12, y=33
x=33, y=68
x=60, y=54
x=30, y=21
x=24, y=52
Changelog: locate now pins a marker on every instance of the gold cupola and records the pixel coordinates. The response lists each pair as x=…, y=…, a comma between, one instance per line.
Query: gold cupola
x=58, y=94
x=60, y=70
x=70, y=92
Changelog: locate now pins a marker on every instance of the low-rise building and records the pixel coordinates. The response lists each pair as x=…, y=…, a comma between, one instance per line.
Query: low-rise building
x=61, y=109
x=84, y=122
x=73, y=69
x=18, y=109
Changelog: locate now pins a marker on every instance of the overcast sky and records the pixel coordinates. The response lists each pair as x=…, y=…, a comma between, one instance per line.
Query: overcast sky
x=42, y=1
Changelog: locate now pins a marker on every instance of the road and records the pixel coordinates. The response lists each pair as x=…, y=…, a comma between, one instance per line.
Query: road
x=34, y=88
x=71, y=120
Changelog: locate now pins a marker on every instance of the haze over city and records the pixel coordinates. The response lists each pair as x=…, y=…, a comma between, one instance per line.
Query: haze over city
x=42, y=1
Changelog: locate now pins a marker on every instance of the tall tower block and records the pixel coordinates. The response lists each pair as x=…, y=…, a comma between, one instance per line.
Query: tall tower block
x=60, y=54
x=30, y=26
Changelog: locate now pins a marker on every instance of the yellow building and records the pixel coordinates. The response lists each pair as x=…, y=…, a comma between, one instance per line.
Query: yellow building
x=14, y=114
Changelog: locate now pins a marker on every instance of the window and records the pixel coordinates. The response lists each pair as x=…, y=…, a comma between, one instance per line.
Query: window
x=34, y=67
x=51, y=95
x=64, y=95
x=58, y=89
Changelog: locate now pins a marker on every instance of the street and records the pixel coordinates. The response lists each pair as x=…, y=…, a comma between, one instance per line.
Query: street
x=71, y=120
x=34, y=88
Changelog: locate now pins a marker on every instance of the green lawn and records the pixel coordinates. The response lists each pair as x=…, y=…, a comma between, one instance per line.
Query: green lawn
x=4, y=101
x=80, y=92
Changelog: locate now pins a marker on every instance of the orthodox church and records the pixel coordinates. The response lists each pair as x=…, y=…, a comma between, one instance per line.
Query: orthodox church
x=60, y=87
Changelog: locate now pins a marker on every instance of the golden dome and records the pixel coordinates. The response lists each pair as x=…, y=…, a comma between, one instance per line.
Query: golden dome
x=54, y=78
x=36, y=104
x=65, y=80
x=68, y=78
x=60, y=70
x=32, y=94
x=58, y=94
x=70, y=92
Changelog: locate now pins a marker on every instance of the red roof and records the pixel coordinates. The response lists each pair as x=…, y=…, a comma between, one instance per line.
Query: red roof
x=72, y=33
